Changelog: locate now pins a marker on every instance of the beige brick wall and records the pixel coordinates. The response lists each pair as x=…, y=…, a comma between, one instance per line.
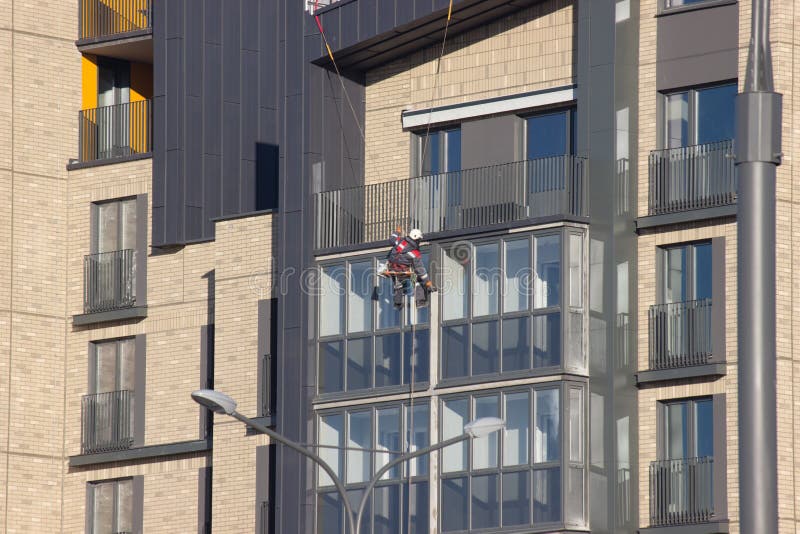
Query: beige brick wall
x=530, y=50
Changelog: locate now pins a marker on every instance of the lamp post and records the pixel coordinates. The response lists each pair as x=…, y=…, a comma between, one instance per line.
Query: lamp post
x=223, y=404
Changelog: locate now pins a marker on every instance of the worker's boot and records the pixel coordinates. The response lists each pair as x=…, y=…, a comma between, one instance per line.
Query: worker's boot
x=421, y=296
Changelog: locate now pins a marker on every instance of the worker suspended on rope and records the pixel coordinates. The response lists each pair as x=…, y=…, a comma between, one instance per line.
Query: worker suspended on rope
x=405, y=266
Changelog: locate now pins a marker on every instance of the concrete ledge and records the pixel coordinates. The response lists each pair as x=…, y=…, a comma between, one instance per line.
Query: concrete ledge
x=654, y=221
x=710, y=370
x=715, y=527
x=109, y=161
x=116, y=38
x=136, y=312
x=140, y=453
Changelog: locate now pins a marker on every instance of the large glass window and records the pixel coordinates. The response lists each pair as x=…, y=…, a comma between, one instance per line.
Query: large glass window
x=438, y=151
x=687, y=272
x=501, y=304
x=550, y=134
x=688, y=429
x=111, y=506
x=357, y=442
x=513, y=478
x=364, y=342
x=699, y=116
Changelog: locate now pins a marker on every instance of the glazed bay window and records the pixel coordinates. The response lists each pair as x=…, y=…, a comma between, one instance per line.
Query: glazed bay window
x=364, y=342
x=512, y=305
x=383, y=431
x=531, y=476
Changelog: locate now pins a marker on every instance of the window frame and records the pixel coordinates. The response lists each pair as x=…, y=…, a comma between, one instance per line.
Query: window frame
x=691, y=438
x=564, y=309
x=137, y=501
x=663, y=135
x=402, y=478
x=564, y=463
x=665, y=9
x=571, y=141
x=417, y=144
x=690, y=275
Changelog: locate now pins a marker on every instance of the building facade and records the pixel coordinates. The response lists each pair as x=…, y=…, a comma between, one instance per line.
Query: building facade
x=199, y=194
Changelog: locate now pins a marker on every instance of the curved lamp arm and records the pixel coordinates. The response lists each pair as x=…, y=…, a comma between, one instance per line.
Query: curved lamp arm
x=298, y=448
x=397, y=461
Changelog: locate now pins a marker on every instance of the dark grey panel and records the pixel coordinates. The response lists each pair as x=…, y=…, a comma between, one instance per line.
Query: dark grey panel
x=683, y=217
x=404, y=12
x=212, y=99
x=717, y=527
x=140, y=389
x=697, y=47
x=212, y=190
x=262, y=486
x=213, y=21
x=718, y=294
x=711, y=371
x=250, y=104
x=174, y=18
x=349, y=33
x=174, y=97
x=249, y=25
x=230, y=158
x=204, y=484
x=386, y=15
x=491, y=141
x=194, y=150
x=138, y=504
x=720, y=456
x=137, y=312
x=231, y=29
x=367, y=19
x=142, y=250
x=206, y=377
x=175, y=196
x=194, y=48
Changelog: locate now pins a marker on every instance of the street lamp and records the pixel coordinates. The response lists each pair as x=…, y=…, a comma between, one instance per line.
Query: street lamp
x=223, y=404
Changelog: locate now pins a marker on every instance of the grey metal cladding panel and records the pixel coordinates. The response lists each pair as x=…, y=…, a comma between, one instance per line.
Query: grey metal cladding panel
x=602, y=39
x=696, y=70
x=316, y=78
x=159, y=152
x=159, y=227
x=294, y=66
x=601, y=112
x=230, y=53
x=349, y=25
x=332, y=150
x=249, y=25
x=174, y=207
x=212, y=190
x=247, y=186
x=440, y=4
x=159, y=49
x=268, y=128
x=174, y=17
x=193, y=225
x=331, y=23
x=230, y=158
x=213, y=21
x=386, y=15
x=422, y=8
x=212, y=99
x=174, y=96
x=489, y=141
x=249, y=133
x=293, y=155
x=194, y=151
x=404, y=12
x=367, y=19
x=193, y=46
x=268, y=59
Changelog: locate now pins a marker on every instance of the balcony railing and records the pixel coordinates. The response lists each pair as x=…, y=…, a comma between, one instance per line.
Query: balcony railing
x=681, y=491
x=680, y=334
x=456, y=200
x=105, y=18
x=109, y=281
x=106, y=422
x=692, y=177
x=116, y=131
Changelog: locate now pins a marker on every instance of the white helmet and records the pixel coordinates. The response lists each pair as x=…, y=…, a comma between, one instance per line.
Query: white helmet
x=415, y=234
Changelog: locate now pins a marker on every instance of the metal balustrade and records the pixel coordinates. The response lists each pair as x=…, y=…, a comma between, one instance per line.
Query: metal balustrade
x=109, y=281
x=681, y=491
x=680, y=334
x=266, y=385
x=456, y=200
x=107, y=422
x=106, y=18
x=692, y=177
x=115, y=131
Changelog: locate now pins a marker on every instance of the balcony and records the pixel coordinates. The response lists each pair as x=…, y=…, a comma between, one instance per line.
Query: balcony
x=114, y=18
x=471, y=198
x=109, y=281
x=106, y=422
x=680, y=334
x=681, y=492
x=692, y=178
x=117, y=132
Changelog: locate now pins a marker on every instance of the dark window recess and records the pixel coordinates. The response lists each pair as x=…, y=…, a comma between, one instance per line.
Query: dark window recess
x=267, y=349
x=267, y=177
x=550, y=134
x=111, y=507
x=438, y=152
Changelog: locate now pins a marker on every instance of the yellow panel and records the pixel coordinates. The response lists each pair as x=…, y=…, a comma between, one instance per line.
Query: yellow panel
x=141, y=81
x=89, y=81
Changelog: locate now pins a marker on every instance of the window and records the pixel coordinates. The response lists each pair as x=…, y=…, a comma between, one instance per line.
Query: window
x=116, y=225
x=501, y=304
x=111, y=507
x=688, y=429
x=550, y=134
x=108, y=411
x=678, y=3
x=513, y=478
x=687, y=273
x=364, y=342
x=699, y=116
x=438, y=151
x=383, y=431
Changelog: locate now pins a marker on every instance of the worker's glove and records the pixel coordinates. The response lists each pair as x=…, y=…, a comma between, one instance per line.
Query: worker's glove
x=430, y=287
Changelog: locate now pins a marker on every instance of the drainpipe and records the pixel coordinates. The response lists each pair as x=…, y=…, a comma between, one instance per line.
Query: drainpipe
x=758, y=153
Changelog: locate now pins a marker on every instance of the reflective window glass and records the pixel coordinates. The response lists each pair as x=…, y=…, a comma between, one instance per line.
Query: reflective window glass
x=418, y=422
x=420, y=349
x=331, y=367
x=704, y=428
x=388, y=439
x=455, y=278
x=575, y=424
x=359, y=437
x=516, y=498
x=485, y=449
x=331, y=433
x=547, y=495
x=546, y=438
x=547, y=340
x=387, y=360
x=454, y=417
x=486, y=288
x=677, y=431
x=455, y=499
x=677, y=120
x=455, y=351
x=359, y=363
x=360, y=297
x=716, y=113
x=575, y=270
x=386, y=504
x=331, y=311
x=516, y=436
x=516, y=344
x=485, y=347
x=485, y=501
x=547, y=285
x=547, y=135
x=517, y=275
x=388, y=315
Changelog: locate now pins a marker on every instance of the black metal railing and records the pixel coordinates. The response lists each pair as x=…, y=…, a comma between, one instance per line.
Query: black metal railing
x=692, y=177
x=107, y=422
x=105, y=18
x=109, y=281
x=267, y=388
x=452, y=201
x=115, y=131
x=680, y=334
x=681, y=491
